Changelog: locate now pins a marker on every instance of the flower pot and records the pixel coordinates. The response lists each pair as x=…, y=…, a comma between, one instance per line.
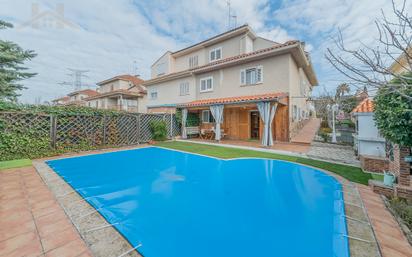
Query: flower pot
x=388, y=179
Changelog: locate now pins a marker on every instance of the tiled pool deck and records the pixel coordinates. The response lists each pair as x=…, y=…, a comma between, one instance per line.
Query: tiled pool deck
x=33, y=222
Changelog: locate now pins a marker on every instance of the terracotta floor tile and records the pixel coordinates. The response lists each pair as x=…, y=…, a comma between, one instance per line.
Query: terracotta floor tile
x=50, y=218
x=47, y=210
x=18, y=242
x=32, y=249
x=392, y=231
x=11, y=218
x=73, y=248
x=391, y=252
x=43, y=204
x=59, y=239
x=399, y=245
x=13, y=205
x=22, y=228
x=47, y=229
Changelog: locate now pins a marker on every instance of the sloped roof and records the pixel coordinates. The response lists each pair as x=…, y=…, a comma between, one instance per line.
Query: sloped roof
x=124, y=92
x=88, y=92
x=364, y=106
x=127, y=77
x=64, y=98
x=235, y=99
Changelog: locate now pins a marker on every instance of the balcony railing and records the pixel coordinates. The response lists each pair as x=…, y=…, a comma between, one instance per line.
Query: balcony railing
x=124, y=108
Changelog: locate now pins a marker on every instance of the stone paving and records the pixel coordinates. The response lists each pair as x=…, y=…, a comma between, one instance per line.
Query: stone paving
x=333, y=152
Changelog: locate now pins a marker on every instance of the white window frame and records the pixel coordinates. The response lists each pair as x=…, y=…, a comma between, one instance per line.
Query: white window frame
x=153, y=92
x=214, y=50
x=206, y=89
x=208, y=116
x=243, y=77
x=184, y=88
x=193, y=61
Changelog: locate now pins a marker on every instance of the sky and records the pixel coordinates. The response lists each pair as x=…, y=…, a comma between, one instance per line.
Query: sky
x=114, y=37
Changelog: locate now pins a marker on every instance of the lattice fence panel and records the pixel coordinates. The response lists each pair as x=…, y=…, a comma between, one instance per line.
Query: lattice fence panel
x=172, y=125
x=25, y=123
x=122, y=130
x=78, y=130
x=145, y=134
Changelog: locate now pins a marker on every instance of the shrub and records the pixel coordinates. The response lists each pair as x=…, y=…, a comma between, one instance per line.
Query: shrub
x=393, y=112
x=403, y=209
x=159, y=130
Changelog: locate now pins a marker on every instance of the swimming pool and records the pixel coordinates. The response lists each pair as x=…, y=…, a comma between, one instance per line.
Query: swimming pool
x=185, y=205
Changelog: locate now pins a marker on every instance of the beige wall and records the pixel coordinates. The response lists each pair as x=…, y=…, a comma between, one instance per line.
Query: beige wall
x=117, y=84
x=168, y=62
x=226, y=82
x=261, y=43
x=169, y=92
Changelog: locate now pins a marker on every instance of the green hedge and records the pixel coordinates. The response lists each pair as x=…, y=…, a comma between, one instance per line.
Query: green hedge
x=159, y=130
x=18, y=142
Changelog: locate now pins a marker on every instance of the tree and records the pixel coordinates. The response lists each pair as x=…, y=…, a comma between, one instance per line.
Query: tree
x=368, y=65
x=341, y=90
x=393, y=113
x=12, y=57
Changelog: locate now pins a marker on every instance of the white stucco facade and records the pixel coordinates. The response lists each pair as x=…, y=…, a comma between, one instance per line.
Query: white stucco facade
x=368, y=140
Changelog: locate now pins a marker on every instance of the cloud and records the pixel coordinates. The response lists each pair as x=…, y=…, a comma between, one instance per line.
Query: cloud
x=111, y=37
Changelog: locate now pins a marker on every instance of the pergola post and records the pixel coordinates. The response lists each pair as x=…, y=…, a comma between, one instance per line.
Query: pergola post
x=184, y=118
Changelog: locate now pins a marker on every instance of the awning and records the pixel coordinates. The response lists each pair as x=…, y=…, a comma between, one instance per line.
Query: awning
x=270, y=97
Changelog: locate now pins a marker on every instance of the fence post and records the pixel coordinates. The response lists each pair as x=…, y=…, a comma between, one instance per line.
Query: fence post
x=53, y=130
x=171, y=125
x=138, y=127
x=104, y=130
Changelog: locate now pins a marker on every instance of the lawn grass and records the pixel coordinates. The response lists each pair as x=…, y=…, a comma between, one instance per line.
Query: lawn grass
x=351, y=173
x=15, y=164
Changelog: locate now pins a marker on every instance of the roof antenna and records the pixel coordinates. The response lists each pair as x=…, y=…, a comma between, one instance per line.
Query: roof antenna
x=229, y=14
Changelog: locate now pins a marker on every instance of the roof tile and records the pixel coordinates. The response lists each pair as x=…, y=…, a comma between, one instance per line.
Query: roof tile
x=364, y=106
x=235, y=99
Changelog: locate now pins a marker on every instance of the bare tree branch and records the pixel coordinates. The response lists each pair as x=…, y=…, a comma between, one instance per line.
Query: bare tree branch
x=368, y=65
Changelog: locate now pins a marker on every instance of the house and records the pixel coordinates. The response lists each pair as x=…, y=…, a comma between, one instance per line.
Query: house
x=61, y=101
x=250, y=84
x=75, y=98
x=78, y=97
x=123, y=92
x=368, y=143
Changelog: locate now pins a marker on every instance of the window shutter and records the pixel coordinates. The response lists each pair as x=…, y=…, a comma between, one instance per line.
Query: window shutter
x=259, y=74
x=242, y=77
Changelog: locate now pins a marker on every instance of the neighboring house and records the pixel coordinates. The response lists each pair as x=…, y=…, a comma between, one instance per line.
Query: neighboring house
x=78, y=97
x=368, y=141
x=401, y=65
x=61, y=101
x=238, y=71
x=123, y=92
x=75, y=98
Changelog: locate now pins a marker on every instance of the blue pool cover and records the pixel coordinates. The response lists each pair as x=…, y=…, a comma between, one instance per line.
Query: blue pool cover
x=178, y=204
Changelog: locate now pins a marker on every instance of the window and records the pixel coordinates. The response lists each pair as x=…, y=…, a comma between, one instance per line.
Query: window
x=193, y=61
x=251, y=76
x=294, y=113
x=184, y=88
x=206, y=84
x=215, y=54
x=153, y=95
x=207, y=117
x=161, y=69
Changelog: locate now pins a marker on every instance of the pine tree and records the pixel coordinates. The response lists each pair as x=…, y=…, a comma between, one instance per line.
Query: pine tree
x=12, y=56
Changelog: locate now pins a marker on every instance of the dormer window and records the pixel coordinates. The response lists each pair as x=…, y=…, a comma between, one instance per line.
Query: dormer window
x=215, y=54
